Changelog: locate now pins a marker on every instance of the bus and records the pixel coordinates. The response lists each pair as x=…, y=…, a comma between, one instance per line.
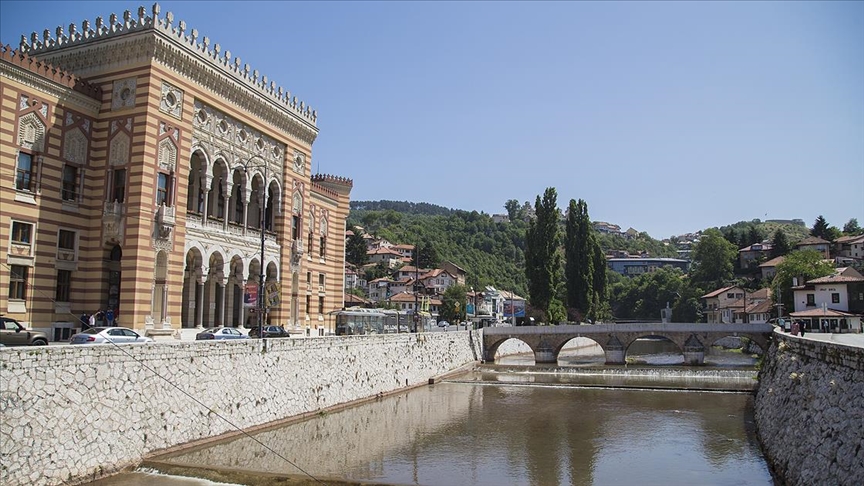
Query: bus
x=361, y=321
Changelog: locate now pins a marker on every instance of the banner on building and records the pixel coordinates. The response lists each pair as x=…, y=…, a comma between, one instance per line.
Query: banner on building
x=510, y=305
x=274, y=294
x=250, y=295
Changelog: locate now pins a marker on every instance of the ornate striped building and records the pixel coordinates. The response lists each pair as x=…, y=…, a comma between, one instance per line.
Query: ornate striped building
x=141, y=166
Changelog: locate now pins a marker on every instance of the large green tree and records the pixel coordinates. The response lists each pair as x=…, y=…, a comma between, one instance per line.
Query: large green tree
x=453, y=304
x=851, y=228
x=542, y=256
x=427, y=255
x=579, y=259
x=820, y=228
x=355, y=248
x=797, y=268
x=600, y=309
x=512, y=207
x=713, y=260
x=780, y=244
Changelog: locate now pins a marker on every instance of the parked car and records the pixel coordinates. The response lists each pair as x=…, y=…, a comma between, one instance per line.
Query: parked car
x=12, y=333
x=443, y=324
x=220, y=333
x=103, y=335
x=269, y=332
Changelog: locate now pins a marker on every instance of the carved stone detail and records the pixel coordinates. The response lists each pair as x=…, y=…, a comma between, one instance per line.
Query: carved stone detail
x=124, y=94
x=31, y=132
x=75, y=145
x=167, y=155
x=172, y=101
x=118, y=154
x=112, y=222
x=299, y=162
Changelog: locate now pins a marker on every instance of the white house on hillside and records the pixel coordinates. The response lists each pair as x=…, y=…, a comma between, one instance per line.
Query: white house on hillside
x=834, y=303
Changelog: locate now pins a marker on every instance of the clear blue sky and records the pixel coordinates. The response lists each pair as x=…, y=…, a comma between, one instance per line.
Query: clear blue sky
x=668, y=117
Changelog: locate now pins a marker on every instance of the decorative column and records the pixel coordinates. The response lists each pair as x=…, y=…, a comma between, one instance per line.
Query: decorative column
x=206, y=180
x=242, y=285
x=199, y=302
x=229, y=210
x=220, y=301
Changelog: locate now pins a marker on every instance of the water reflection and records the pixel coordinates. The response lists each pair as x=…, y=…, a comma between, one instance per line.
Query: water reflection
x=461, y=433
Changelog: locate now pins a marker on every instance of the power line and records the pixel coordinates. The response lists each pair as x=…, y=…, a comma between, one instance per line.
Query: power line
x=187, y=394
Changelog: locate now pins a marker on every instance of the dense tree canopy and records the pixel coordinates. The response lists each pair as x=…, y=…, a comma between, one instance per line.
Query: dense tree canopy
x=851, y=228
x=713, y=260
x=355, y=248
x=542, y=254
x=780, y=244
x=579, y=260
x=453, y=304
x=820, y=228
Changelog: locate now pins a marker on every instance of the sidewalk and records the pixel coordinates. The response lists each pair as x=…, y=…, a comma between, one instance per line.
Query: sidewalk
x=850, y=339
x=856, y=340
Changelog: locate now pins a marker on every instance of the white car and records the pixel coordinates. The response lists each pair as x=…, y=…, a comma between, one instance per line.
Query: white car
x=101, y=335
x=443, y=324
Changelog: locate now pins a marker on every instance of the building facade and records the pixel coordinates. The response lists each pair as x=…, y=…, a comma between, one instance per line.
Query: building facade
x=155, y=176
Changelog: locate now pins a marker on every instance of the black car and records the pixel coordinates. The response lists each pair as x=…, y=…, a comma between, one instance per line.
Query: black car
x=269, y=332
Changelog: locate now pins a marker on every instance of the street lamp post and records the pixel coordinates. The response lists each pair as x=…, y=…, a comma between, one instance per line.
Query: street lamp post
x=262, y=200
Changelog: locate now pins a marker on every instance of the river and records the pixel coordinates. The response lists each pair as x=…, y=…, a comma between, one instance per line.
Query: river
x=510, y=424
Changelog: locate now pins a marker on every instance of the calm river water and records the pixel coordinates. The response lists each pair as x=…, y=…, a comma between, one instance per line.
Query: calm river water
x=507, y=425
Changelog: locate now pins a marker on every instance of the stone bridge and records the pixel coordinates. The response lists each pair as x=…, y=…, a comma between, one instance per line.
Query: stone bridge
x=692, y=339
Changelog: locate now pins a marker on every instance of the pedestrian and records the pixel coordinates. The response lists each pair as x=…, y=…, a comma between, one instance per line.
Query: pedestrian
x=801, y=328
x=93, y=318
x=109, y=316
x=787, y=326
x=795, y=328
x=84, y=321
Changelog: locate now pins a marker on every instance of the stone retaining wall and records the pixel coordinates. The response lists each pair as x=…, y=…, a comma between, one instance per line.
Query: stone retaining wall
x=809, y=411
x=70, y=414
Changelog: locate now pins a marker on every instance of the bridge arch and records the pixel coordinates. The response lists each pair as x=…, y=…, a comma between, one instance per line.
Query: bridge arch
x=691, y=338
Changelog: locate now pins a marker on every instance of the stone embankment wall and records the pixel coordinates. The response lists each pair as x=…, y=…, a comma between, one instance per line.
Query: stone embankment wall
x=809, y=411
x=70, y=414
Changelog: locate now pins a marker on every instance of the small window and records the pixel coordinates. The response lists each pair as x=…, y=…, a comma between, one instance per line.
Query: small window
x=309, y=278
x=70, y=183
x=309, y=244
x=118, y=193
x=24, y=176
x=66, y=240
x=811, y=299
x=323, y=248
x=22, y=233
x=64, y=284
x=835, y=298
x=163, y=189
x=320, y=305
x=321, y=279
x=295, y=227
x=308, y=303
x=18, y=282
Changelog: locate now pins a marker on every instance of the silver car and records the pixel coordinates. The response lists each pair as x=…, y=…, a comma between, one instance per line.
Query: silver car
x=220, y=333
x=100, y=335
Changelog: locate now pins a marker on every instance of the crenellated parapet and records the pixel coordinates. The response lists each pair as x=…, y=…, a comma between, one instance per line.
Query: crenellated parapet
x=331, y=179
x=178, y=33
x=50, y=72
x=334, y=185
